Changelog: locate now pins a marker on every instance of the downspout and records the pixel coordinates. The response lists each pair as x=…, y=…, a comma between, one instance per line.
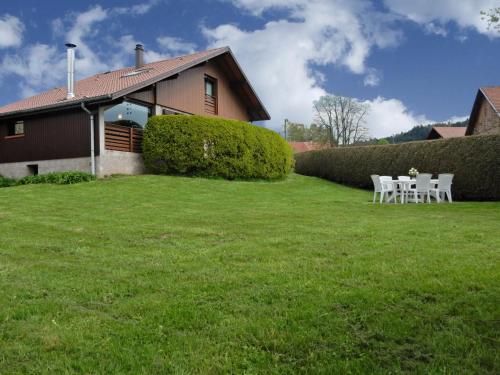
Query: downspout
x=92, y=152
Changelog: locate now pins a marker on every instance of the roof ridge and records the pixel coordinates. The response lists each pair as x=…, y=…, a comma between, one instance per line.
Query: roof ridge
x=155, y=62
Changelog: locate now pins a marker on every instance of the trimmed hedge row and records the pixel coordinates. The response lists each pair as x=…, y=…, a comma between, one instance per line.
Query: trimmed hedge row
x=59, y=178
x=474, y=160
x=214, y=147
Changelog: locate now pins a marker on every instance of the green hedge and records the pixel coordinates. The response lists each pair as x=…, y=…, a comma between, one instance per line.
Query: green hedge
x=214, y=147
x=60, y=178
x=6, y=182
x=475, y=162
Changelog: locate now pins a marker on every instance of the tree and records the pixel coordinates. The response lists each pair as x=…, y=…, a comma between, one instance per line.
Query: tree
x=383, y=141
x=492, y=16
x=296, y=132
x=317, y=133
x=342, y=117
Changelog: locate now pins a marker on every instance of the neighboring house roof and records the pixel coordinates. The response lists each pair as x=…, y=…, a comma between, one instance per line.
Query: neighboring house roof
x=492, y=95
x=447, y=132
x=115, y=84
x=299, y=147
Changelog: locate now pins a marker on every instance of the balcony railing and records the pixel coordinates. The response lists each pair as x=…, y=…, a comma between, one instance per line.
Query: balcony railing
x=122, y=138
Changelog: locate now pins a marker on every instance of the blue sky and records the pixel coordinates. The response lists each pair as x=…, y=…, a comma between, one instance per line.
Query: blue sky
x=411, y=61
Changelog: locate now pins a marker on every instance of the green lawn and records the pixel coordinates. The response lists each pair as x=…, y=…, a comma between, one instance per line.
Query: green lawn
x=153, y=275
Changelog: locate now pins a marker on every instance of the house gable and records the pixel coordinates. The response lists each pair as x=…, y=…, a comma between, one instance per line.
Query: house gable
x=485, y=115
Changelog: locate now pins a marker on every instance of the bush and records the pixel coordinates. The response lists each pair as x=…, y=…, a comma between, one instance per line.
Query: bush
x=6, y=182
x=60, y=178
x=214, y=147
x=475, y=162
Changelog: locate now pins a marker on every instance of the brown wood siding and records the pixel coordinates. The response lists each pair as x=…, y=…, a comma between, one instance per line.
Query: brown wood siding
x=56, y=136
x=187, y=92
x=229, y=103
x=144, y=96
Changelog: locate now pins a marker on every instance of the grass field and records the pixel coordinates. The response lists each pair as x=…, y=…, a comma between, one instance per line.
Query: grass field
x=154, y=275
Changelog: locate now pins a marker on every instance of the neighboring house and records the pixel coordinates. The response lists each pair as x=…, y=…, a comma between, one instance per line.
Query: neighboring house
x=485, y=114
x=439, y=132
x=96, y=124
x=299, y=147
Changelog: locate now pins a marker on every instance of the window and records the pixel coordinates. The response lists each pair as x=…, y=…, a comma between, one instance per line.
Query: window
x=15, y=129
x=209, y=87
x=33, y=169
x=127, y=114
x=210, y=95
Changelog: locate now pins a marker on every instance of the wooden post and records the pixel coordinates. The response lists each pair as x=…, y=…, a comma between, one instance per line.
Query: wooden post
x=131, y=135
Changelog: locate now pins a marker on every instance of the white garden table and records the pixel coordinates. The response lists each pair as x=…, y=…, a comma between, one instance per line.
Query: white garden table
x=403, y=186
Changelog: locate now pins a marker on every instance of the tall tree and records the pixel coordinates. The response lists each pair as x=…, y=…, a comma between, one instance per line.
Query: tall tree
x=343, y=117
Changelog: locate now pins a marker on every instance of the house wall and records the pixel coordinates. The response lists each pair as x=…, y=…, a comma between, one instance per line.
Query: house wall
x=60, y=135
x=487, y=121
x=186, y=93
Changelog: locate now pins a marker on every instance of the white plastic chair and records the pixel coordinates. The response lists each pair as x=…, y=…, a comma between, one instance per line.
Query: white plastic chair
x=381, y=186
x=403, y=188
x=443, y=187
x=422, y=187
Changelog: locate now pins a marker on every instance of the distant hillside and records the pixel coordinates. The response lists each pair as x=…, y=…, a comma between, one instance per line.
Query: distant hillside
x=419, y=132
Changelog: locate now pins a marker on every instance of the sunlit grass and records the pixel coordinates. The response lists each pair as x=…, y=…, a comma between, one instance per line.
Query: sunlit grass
x=155, y=274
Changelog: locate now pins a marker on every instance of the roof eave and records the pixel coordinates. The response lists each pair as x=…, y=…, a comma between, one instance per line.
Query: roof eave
x=473, y=113
x=62, y=105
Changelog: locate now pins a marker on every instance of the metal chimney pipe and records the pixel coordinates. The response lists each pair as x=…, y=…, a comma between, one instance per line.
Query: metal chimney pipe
x=139, y=56
x=71, y=70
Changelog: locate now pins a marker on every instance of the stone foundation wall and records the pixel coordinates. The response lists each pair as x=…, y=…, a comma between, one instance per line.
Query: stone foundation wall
x=118, y=162
x=20, y=169
x=111, y=162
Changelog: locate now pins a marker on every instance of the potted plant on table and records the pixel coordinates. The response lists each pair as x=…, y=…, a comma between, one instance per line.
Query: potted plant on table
x=413, y=172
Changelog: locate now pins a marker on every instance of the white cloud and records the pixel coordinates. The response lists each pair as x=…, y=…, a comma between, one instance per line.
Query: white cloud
x=465, y=13
x=175, y=45
x=281, y=57
x=453, y=119
x=82, y=28
x=41, y=66
x=432, y=28
x=37, y=65
x=11, y=31
x=390, y=116
x=372, y=78
x=136, y=10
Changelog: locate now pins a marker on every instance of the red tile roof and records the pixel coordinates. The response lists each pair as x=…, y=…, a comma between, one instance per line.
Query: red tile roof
x=113, y=84
x=450, y=131
x=299, y=147
x=493, y=96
